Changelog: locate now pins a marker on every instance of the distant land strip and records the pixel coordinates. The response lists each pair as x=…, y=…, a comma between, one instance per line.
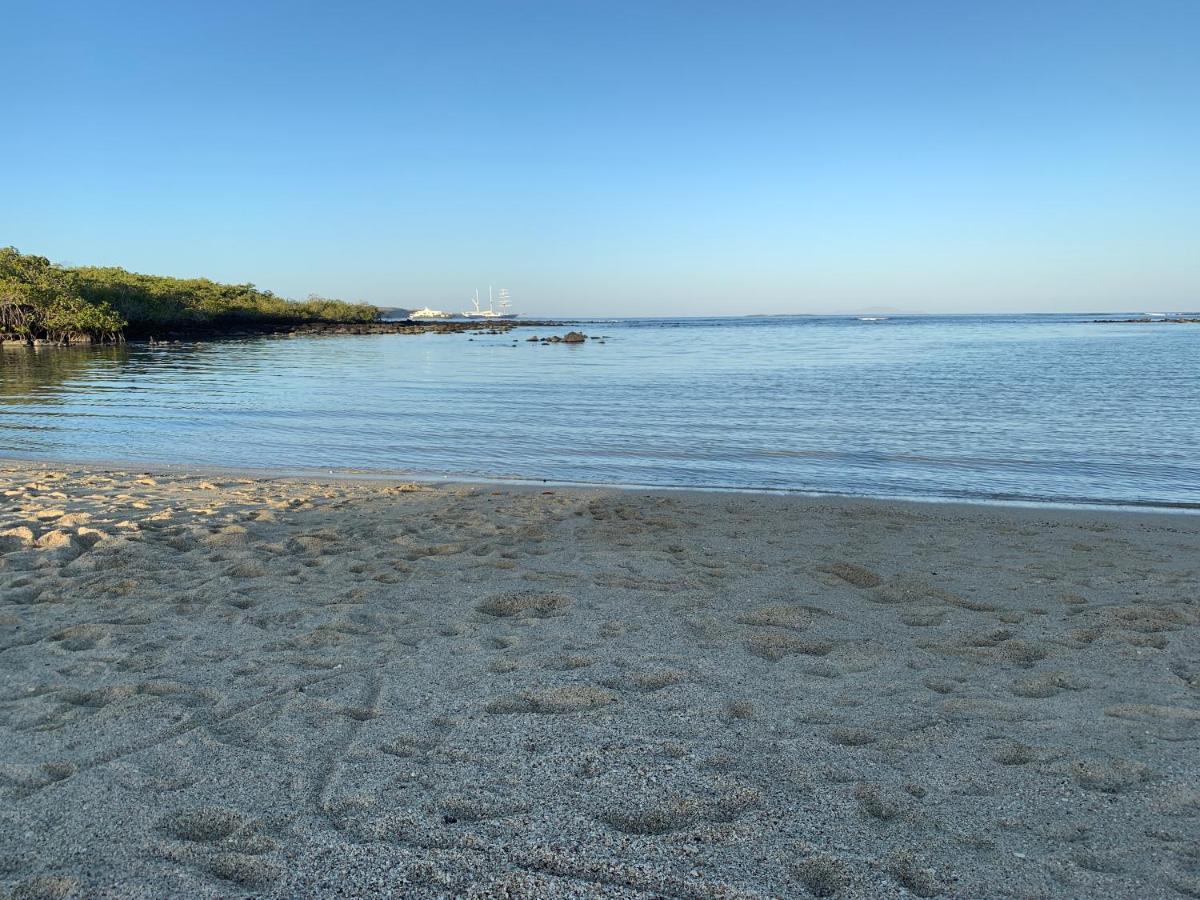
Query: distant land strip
x=45, y=303
x=1149, y=320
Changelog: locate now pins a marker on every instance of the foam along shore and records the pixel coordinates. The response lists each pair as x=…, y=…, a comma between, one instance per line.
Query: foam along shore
x=219, y=685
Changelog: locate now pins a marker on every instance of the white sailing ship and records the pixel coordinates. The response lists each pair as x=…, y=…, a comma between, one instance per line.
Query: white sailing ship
x=497, y=308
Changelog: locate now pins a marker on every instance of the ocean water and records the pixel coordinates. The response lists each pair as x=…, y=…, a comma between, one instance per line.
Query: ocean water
x=1043, y=408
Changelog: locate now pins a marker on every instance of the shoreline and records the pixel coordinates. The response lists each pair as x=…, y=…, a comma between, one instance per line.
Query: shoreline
x=214, y=684
x=176, y=334
x=353, y=474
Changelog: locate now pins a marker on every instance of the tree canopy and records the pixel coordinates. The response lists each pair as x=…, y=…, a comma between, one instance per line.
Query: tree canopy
x=39, y=299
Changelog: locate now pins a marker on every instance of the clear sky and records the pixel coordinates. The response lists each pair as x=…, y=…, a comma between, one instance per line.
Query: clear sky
x=618, y=157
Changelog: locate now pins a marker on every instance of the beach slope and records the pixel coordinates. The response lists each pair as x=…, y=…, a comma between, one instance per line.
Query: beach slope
x=222, y=685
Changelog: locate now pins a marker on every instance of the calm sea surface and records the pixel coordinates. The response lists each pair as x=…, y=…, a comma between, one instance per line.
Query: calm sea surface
x=1043, y=408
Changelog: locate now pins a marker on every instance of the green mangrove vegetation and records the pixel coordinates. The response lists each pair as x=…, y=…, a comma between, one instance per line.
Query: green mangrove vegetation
x=41, y=301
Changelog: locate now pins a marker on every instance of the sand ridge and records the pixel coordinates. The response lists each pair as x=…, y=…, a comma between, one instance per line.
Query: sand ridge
x=232, y=685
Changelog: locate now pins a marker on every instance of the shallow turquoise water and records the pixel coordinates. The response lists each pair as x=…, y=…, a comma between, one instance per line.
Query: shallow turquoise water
x=1020, y=407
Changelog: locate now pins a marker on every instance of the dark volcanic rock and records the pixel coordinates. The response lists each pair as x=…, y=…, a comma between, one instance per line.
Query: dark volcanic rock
x=243, y=330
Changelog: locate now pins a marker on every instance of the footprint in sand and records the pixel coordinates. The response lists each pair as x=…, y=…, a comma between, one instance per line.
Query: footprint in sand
x=80, y=637
x=476, y=806
x=917, y=878
x=821, y=876
x=852, y=574
x=244, y=869
x=775, y=646
x=202, y=824
x=877, y=803
x=519, y=604
x=1110, y=775
x=565, y=662
x=45, y=887
x=650, y=681
x=793, y=617
x=670, y=815
x=552, y=701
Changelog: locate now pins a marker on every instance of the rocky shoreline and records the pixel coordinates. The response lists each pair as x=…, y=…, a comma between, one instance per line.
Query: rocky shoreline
x=303, y=329
x=571, y=337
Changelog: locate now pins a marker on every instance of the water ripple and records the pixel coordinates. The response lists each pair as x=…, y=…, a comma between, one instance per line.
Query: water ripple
x=1023, y=407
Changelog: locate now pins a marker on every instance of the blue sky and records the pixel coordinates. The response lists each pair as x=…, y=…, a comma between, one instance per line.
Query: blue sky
x=622, y=158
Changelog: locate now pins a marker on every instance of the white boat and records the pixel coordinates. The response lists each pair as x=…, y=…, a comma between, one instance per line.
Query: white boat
x=492, y=312
x=428, y=313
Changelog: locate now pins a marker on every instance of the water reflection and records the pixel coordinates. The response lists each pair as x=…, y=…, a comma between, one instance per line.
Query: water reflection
x=36, y=374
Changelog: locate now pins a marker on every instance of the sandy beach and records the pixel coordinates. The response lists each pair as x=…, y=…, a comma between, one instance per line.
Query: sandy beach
x=218, y=684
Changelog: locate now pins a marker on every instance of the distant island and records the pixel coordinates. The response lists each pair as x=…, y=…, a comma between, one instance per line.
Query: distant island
x=865, y=311
x=42, y=301
x=392, y=313
x=1151, y=320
